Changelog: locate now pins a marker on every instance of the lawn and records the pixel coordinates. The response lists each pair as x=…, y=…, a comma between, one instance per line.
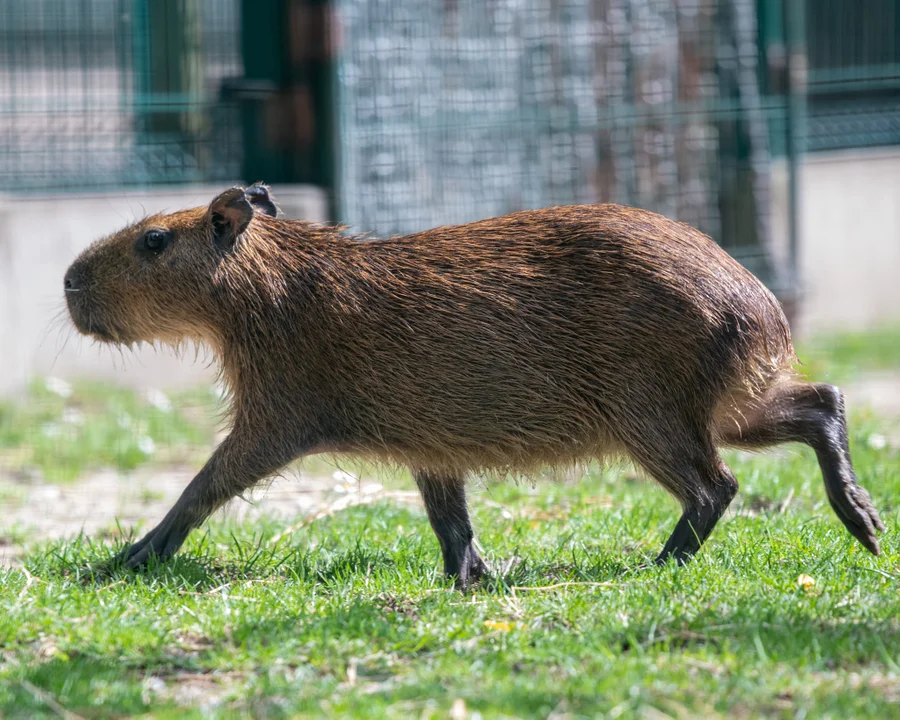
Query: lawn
x=782, y=614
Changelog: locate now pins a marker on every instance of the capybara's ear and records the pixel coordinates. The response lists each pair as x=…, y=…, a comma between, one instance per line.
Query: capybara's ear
x=229, y=215
x=261, y=199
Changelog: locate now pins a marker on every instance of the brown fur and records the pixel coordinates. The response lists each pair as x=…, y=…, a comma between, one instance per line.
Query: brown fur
x=540, y=338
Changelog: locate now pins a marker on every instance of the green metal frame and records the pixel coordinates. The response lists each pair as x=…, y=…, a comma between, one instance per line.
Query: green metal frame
x=271, y=76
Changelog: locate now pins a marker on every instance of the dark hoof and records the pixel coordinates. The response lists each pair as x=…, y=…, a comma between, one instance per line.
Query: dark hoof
x=855, y=509
x=160, y=543
x=471, y=569
x=681, y=558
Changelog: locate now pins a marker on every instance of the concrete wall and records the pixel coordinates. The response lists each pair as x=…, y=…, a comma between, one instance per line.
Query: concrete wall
x=39, y=237
x=849, y=253
x=850, y=240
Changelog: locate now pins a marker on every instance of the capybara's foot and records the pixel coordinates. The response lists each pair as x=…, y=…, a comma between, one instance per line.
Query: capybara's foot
x=471, y=568
x=161, y=542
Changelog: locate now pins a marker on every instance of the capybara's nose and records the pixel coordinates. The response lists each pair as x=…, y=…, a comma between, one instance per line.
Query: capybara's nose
x=74, y=280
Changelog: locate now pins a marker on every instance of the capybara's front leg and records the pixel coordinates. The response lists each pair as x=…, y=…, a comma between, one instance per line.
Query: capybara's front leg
x=236, y=465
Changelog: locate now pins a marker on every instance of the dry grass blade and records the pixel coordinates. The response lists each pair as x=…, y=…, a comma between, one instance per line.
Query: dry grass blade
x=50, y=701
x=557, y=586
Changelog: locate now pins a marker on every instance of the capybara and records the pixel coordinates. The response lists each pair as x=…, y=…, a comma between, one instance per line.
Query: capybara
x=541, y=338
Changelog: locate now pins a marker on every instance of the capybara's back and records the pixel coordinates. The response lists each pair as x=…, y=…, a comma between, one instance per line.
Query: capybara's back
x=540, y=338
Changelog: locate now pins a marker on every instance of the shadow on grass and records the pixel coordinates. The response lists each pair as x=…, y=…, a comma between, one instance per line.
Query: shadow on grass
x=205, y=565
x=91, y=562
x=506, y=577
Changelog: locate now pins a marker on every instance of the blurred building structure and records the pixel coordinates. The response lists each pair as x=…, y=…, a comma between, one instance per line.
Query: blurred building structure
x=773, y=125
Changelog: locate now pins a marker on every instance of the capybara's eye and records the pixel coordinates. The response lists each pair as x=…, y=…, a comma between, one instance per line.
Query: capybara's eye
x=154, y=241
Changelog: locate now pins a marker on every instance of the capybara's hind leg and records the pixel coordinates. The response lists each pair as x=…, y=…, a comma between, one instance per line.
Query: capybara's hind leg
x=687, y=465
x=445, y=504
x=812, y=413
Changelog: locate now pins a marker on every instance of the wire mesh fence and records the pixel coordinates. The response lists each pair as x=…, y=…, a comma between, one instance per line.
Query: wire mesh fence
x=111, y=93
x=854, y=73
x=459, y=110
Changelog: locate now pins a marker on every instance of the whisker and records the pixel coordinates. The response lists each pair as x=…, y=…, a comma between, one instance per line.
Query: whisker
x=55, y=322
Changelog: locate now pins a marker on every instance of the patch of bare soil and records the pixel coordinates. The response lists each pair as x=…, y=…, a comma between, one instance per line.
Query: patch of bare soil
x=103, y=502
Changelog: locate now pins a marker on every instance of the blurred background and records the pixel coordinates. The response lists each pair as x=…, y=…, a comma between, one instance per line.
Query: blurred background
x=772, y=125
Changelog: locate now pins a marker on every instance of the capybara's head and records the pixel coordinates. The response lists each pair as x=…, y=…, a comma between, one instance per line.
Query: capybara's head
x=160, y=279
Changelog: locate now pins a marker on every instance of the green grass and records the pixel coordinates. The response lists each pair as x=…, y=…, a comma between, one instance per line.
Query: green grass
x=59, y=431
x=843, y=357
x=348, y=615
